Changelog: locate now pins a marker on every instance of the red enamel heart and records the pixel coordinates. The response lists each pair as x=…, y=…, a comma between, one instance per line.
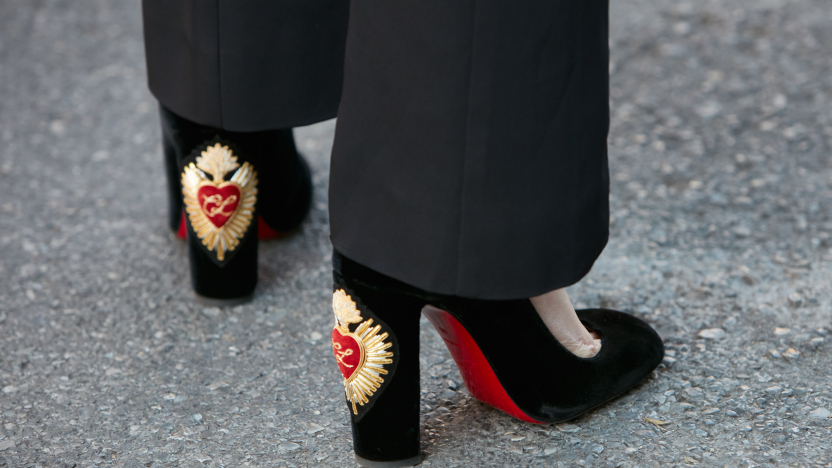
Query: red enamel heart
x=219, y=203
x=347, y=351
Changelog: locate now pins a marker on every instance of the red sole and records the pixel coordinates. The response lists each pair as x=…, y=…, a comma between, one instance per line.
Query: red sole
x=477, y=373
x=264, y=232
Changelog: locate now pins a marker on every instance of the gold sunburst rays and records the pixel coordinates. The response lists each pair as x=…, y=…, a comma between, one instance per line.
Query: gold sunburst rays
x=364, y=378
x=219, y=211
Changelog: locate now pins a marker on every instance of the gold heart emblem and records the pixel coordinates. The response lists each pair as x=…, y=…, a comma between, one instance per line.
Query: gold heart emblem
x=361, y=354
x=220, y=211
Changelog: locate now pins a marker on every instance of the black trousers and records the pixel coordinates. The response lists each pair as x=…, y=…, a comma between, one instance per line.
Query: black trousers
x=246, y=65
x=470, y=152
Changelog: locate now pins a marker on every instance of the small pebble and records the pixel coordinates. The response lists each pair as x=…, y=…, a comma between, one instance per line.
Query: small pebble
x=287, y=447
x=792, y=353
x=795, y=299
x=568, y=428
x=742, y=231
x=820, y=413
x=730, y=413
x=712, y=333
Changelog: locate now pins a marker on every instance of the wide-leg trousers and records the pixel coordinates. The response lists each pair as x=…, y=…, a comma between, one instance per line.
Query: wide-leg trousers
x=470, y=154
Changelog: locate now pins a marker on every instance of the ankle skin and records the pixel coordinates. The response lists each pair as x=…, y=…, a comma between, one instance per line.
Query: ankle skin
x=556, y=311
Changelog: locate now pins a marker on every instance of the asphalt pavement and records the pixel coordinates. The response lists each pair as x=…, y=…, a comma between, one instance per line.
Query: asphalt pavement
x=721, y=239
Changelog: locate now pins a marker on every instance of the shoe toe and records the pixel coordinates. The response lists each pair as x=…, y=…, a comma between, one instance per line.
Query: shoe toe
x=630, y=350
x=624, y=333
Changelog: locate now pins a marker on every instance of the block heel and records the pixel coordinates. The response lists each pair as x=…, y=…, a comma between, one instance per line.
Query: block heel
x=376, y=346
x=221, y=217
x=219, y=192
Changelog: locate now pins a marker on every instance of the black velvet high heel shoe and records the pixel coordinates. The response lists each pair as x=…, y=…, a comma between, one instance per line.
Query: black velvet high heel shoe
x=225, y=190
x=507, y=356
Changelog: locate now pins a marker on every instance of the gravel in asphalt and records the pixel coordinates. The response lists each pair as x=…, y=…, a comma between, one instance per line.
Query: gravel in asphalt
x=721, y=232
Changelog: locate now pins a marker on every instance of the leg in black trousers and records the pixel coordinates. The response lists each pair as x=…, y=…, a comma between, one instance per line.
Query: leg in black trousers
x=243, y=74
x=469, y=180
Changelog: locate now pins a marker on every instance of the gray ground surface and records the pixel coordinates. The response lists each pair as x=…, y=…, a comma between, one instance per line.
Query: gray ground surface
x=721, y=199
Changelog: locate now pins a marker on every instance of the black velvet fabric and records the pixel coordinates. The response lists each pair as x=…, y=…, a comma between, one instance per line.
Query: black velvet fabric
x=236, y=275
x=173, y=154
x=285, y=188
x=246, y=66
x=283, y=199
x=235, y=279
x=544, y=379
x=470, y=153
x=387, y=428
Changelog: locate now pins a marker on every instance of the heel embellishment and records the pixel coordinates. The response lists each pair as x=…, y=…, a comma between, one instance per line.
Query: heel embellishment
x=264, y=232
x=361, y=354
x=220, y=212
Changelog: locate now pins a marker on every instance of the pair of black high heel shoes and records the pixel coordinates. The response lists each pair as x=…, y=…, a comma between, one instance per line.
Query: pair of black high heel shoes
x=507, y=356
x=218, y=203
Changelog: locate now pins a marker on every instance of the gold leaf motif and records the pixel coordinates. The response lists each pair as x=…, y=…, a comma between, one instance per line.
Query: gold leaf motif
x=217, y=161
x=346, y=311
